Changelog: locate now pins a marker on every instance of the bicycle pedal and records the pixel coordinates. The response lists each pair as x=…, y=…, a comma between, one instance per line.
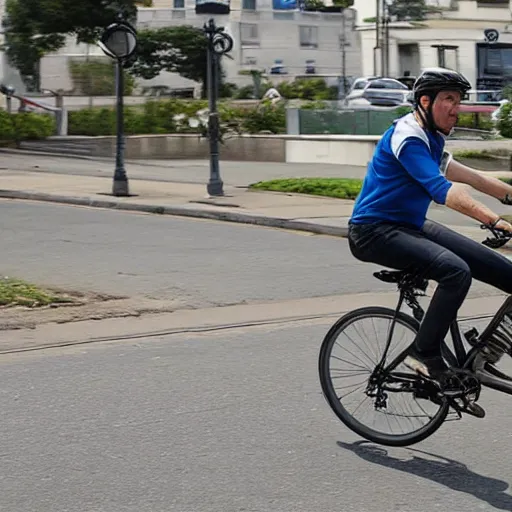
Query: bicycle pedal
x=471, y=408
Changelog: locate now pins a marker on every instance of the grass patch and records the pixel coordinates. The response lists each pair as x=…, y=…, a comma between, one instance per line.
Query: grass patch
x=480, y=154
x=14, y=292
x=341, y=188
x=508, y=181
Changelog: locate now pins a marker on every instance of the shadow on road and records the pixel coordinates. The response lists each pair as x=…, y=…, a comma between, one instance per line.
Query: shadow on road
x=444, y=471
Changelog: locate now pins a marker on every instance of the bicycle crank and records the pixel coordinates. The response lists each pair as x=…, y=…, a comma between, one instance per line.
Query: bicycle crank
x=462, y=389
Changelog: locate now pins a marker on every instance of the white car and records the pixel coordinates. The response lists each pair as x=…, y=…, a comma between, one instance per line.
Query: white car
x=380, y=92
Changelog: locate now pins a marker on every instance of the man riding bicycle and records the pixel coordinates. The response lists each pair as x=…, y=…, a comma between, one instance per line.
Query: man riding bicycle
x=409, y=170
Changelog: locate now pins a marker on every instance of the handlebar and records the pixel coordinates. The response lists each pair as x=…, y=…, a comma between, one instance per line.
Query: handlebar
x=501, y=237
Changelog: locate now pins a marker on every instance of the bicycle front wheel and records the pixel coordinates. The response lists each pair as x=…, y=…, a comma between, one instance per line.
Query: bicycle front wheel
x=350, y=352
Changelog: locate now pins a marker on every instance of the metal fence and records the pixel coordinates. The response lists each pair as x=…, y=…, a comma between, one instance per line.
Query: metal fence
x=345, y=122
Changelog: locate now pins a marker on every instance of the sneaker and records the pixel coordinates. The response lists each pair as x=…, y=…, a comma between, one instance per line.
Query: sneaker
x=429, y=366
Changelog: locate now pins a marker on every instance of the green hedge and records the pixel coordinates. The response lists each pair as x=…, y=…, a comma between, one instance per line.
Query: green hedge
x=171, y=116
x=504, y=124
x=25, y=126
x=478, y=121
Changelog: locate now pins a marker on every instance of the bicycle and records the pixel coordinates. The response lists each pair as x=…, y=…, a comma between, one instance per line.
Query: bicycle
x=386, y=382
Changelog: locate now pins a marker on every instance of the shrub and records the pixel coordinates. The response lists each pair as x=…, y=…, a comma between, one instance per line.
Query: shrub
x=25, y=126
x=308, y=89
x=504, y=124
x=469, y=120
x=31, y=126
x=172, y=116
x=265, y=118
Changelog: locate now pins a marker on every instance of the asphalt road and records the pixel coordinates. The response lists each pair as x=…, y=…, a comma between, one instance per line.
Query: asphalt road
x=221, y=423
x=202, y=263
x=162, y=257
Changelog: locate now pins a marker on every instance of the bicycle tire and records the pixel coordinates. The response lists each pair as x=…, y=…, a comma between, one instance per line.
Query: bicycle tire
x=333, y=401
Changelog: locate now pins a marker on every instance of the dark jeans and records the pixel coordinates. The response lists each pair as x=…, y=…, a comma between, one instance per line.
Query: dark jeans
x=436, y=253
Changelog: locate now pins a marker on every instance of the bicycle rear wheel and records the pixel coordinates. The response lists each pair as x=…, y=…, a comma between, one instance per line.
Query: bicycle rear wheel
x=350, y=352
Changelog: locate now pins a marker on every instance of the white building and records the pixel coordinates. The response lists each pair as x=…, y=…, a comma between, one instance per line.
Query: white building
x=454, y=37
x=292, y=41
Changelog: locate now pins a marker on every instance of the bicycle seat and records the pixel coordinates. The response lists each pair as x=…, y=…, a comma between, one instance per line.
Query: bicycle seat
x=403, y=278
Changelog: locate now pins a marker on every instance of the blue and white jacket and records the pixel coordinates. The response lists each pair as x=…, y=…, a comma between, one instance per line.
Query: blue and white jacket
x=403, y=177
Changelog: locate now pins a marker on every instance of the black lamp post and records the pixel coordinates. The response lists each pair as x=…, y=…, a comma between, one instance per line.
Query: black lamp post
x=119, y=41
x=219, y=43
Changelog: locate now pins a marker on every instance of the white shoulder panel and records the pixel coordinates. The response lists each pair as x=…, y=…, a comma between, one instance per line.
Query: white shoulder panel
x=405, y=128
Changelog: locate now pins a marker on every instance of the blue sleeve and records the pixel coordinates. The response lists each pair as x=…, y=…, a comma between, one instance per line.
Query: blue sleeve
x=415, y=157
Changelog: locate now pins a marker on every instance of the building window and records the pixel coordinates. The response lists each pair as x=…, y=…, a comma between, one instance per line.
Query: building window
x=249, y=34
x=308, y=36
x=278, y=68
x=283, y=15
x=179, y=4
x=249, y=5
x=250, y=61
x=447, y=56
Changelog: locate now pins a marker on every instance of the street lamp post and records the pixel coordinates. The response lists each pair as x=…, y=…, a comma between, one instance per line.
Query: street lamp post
x=219, y=43
x=119, y=41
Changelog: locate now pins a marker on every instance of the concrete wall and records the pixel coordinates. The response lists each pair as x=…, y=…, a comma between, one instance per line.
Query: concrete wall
x=334, y=149
x=258, y=148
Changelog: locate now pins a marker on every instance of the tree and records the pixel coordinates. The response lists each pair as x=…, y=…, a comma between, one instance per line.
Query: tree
x=408, y=9
x=34, y=28
x=180, y=49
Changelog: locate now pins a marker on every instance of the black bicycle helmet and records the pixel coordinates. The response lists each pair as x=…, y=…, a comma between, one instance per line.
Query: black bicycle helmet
x=430, y=83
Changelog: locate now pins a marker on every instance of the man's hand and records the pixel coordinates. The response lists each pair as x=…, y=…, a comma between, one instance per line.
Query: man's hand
x=504, y=225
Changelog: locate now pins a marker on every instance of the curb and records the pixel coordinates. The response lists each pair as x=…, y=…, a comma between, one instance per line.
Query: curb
x=181, y=211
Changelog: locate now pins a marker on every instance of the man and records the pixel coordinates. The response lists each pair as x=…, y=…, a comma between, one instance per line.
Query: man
x=409, y=170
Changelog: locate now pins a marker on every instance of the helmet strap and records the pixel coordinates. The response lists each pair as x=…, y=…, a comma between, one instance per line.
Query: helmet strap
x=427, y=116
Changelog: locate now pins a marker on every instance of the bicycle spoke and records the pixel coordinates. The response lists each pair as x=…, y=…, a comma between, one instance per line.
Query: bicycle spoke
x=355, y=352
x=364, y=339
x=372, y=363
x=348, y=362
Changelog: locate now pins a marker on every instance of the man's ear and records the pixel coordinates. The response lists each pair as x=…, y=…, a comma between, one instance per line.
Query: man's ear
x=425, y=102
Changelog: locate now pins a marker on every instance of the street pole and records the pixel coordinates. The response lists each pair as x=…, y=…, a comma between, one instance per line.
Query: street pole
x=119, y=41
x=343, y=53
x=383, y=40
x=215, y=185
x=377, y=38
x=219, y=43
x=120, y=185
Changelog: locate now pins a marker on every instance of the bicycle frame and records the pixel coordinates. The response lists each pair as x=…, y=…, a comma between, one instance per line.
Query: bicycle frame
x=461, y=359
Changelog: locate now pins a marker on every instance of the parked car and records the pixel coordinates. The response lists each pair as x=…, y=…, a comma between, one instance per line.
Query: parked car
x=358, y=86
x=380, y=92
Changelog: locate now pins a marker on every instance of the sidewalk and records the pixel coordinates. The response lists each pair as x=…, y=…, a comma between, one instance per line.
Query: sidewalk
x=312, y=214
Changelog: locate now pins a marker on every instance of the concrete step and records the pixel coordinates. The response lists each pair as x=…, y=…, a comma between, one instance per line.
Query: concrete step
x=71, y=147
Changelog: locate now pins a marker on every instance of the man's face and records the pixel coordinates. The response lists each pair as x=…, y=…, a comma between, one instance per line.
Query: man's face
x=445, y=109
